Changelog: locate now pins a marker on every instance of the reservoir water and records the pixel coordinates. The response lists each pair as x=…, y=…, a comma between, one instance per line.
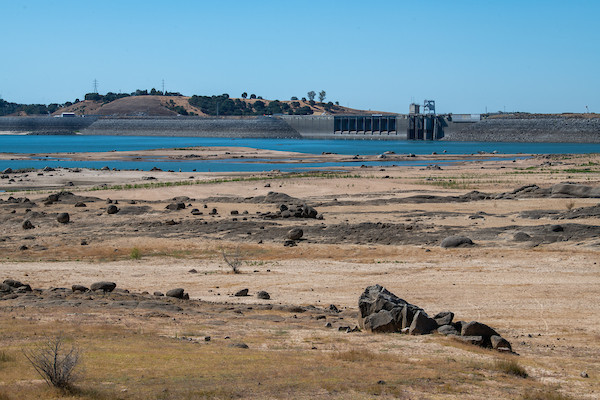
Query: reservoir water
x=66, y=144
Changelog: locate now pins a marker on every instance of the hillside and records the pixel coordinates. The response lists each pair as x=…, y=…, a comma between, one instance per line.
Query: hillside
x=173, y=105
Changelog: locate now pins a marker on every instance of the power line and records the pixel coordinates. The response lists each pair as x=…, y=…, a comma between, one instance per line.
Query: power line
x=95, y=86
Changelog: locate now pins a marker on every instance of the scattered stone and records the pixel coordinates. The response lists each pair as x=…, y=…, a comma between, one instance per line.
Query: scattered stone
x=80, y=204
x=333, y=308
x=234, y=212
x=178, y=293
x=158, y=294
x=112, y=209
x=556, y=228
x=79, y=288
x=7, y=171
x=263, y=295
x=213, y=212
x=176, y=206
x=456, y=241
x=521, y=237
x=103, y=286
x=193, y=271
x=239, y=345
x=241, y=293
x=289, y=243
x=207, y=338
x=23, y=248
x=584, y=374
x=27, y=224
x=195, y=211
x=63, y=218
x=295, y=234
x=328, y=325
x=84, y=242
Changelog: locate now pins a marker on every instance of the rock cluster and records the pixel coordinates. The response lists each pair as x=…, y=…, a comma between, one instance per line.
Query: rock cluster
x=293, y=211
x=383, y=312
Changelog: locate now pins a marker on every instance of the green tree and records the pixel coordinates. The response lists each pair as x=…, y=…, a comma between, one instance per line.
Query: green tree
x=244, y=95
x=252, y=96
x=311, y=95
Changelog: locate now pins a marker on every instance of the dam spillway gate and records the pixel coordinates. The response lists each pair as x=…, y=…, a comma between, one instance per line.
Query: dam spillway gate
x=365, y=124
x=425, y=127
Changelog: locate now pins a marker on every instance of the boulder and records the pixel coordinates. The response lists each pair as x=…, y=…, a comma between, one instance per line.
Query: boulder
x=112, y=209
x=447, y=330
x=295, y=234
x=79, y=288
x=159, y=294
x=13, y=283
x=176, y=206
x=408, y=313
x=444, y=318
x=475, y=328
x=103, y=286
x=556, y=228
x=376, y=298
x=521, y=237
x=456, y=241
x=263, y=295
x=178, y=293
x=241, y=293
x=63, y=218
x=422, y=324
x=380, y=322
x=27, y=224
x=476, y=340
x=80, y=204
x=4, y=288
x=499, y=343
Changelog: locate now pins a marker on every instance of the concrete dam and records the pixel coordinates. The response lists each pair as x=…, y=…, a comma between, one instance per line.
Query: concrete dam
x=376, y=127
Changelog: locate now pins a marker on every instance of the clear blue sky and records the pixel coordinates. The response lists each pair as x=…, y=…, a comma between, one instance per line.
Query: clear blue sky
x=535, y=56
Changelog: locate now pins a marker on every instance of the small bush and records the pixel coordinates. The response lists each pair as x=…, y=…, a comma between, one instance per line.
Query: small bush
x=233, y=260
x=135, y=254
x=5, y=357
x=510, y=367
x=55, y=364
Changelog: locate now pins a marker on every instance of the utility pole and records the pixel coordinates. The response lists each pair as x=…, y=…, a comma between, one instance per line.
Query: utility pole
x=95, y=86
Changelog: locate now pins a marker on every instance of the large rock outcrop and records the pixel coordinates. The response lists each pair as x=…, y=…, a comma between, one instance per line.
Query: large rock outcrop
x=383, y=312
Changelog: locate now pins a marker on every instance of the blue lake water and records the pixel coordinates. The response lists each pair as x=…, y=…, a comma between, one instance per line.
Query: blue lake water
x=65, y=144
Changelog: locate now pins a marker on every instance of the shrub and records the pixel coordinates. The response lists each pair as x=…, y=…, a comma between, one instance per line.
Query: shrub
x=135, y=254
x=510, y=367
x=55, y=364
x=233, y=260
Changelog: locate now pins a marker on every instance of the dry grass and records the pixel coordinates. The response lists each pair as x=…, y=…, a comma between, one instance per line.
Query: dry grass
x=123, y=363
x=510, y=367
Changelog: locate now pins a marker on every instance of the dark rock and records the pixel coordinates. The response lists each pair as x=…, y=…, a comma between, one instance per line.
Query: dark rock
x=499, y=342
x=476, y=340
x=575, y=190
x=376, y=298
x=584, y=374
x=7, y=171
x=159, y=294
x=556, y=228
x=241, y=293
x=84, y=242
x=23, y=248
x=289, y=243
x=521, y=237
x=283, y=207
x=234, y=212
x=178, y=293
x=239, y=345
x=4, y=288
x=295, y=234
x=193, y=271
x=103, y=286
x=112, y=209
x=422, y=324
x=444, y=318
x=456, y=241
x=195, y=211
x=80, y=204
x=475, y=328
x=79, y=288
x=27, y=224
x=63, y=218
x=333, y=308
x=213, y=212
x=448, y=330
x=176, y=206
x=263, y=295
x=13, y=283
x=380, y=322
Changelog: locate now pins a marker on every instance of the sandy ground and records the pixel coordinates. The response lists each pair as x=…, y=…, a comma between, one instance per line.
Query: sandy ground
x=543, y=295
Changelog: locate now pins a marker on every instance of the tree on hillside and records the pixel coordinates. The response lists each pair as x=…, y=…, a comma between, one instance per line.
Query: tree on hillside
x=252, y=96
x=311, y=95
x=294, y=98
x=244, y=95
x=322, y=95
